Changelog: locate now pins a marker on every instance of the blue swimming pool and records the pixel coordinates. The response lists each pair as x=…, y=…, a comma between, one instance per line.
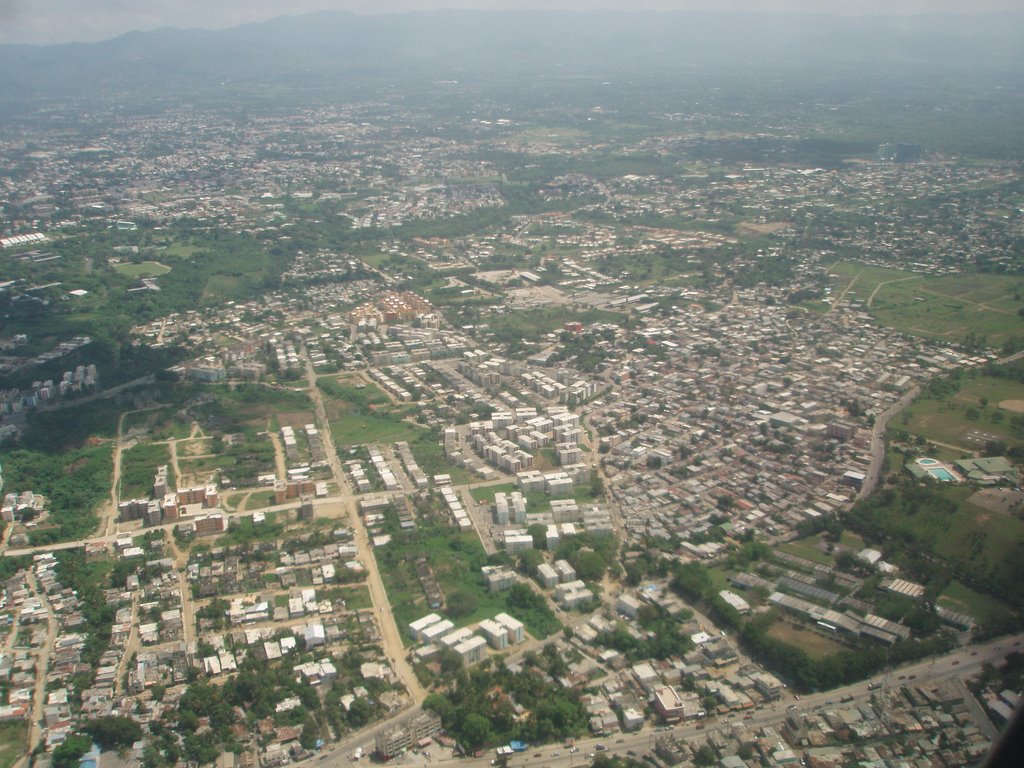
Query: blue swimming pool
x=941, y=474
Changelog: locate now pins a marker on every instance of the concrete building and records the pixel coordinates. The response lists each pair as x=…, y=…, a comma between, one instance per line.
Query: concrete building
x=547, y=576
x=471, y=650
x=416, y=627
x=395, y=739
x=513, y=626
x=496, y=634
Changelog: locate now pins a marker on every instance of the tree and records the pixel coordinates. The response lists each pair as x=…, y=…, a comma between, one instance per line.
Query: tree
x=70, y=751
x=475, y=732
x=540, y=535
x=589, y=566
x=461, y=603
x=530, y=560
x=113, y=732
x=359, y=712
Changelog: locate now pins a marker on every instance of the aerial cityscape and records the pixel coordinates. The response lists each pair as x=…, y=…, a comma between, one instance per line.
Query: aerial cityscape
x=539, y=410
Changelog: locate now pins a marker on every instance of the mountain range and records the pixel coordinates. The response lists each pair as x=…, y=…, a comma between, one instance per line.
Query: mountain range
x=342, y=47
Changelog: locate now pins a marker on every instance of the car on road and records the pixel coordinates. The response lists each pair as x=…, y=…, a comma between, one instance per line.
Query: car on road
x=620, y=741
x=957, y=661
x=997, y=647
x=556, y=754
x=974, y=653
x=574, y=750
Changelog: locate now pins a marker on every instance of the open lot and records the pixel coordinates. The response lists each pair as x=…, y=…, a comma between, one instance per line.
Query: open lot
x=361, y=413
x=948, y=307
x=969, y=416
x=983, y=608
x=13, y=737
x=816, y=646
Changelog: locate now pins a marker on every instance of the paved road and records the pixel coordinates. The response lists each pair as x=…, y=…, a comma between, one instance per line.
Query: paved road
x=874, y=473
x=960, y=663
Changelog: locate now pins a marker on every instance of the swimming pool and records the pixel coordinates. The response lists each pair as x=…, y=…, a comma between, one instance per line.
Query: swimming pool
x=927, y=462
x=941, y=474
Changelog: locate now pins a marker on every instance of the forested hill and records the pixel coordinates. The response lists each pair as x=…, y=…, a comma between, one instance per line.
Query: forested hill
x=343, y=50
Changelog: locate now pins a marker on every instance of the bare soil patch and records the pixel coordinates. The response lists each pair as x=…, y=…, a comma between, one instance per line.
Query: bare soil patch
x=1017, y=406
x=765, y=228
x=1000, y=500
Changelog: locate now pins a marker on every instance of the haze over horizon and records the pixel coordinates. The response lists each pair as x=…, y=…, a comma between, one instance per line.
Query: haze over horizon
x=47, y=22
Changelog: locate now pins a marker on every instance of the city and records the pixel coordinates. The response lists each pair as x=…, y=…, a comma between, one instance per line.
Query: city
x=443, y=428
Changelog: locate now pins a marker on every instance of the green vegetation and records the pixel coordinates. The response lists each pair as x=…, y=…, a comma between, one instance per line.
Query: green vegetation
x=476, y=718
x=113, y=732
x=796, y=664
x=67, y=754
x=13, y=737
x=244, y=531
x=142, y=269
x=949, y=409
x=138, y=465
x=969, y=308
x=361, y=416
x=74, y=482
x=937, y=536
x=530, y=325
x=455, y=560
x=89, y=579
x=986, y=610
x=429, y=455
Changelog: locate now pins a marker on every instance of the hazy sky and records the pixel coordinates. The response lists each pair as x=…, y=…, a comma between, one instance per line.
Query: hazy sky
x=57, y=21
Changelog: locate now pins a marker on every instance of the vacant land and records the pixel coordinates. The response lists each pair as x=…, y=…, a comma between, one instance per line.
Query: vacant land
x=963, y=416
x=983, y=608
x=360, y=413
x=13, y=737
x=936, y=534
x=533, y=324
x=814, y=645
x=138, y=466
x=950, y=307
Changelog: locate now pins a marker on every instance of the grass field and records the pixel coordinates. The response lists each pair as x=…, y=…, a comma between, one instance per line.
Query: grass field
x=814, y=645
x=948, y=420
x=360, y=415
x=142, y=269
x=13, y=737
x=808, y=549
x=983, y=608
x=138, y=466
x=949, y=307
x=455, y=559
x=533, y=324
x=935, y=526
